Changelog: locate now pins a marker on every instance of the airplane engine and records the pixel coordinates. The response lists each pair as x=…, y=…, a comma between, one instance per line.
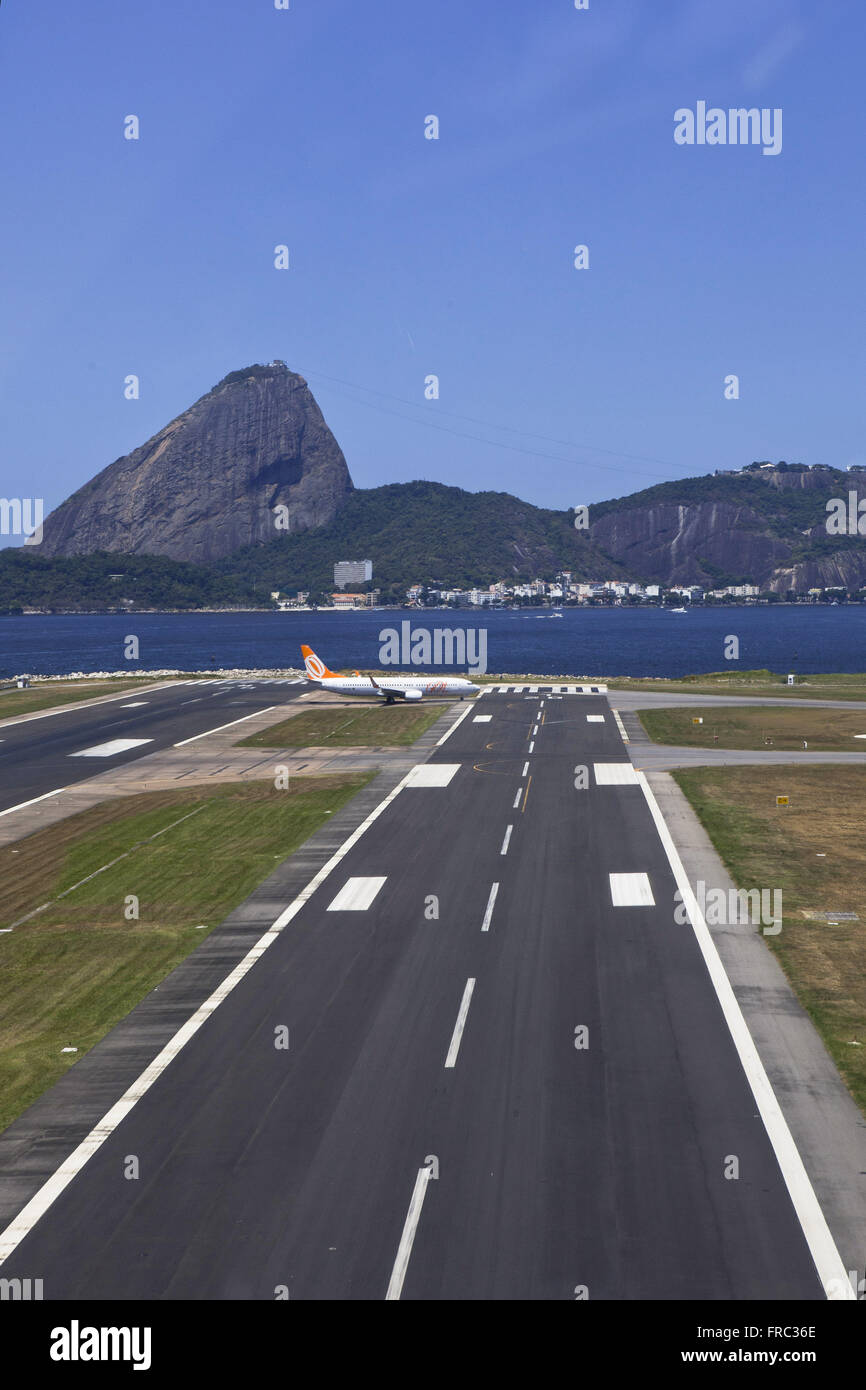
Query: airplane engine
x=414, y=694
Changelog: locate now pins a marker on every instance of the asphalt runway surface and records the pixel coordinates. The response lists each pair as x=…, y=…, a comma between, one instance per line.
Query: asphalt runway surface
x=46, y=751
x=527, y=1092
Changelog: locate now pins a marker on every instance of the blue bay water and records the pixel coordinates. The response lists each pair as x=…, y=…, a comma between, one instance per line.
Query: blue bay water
x=582, y=642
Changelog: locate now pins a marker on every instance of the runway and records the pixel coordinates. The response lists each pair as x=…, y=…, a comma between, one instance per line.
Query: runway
x=43, y=752
x=508, y=1074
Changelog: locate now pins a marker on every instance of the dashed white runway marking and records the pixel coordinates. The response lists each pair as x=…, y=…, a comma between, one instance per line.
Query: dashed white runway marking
x=407, y=1239
x=506, y=841
x=136, y=704
x=631, y=890
x=517, y=798
x=525, y=769
x=615, y=775
x=620, y=725
x=356, y=895
x=457, y=1035
x=531, y=746
x=595, y=719
x=488, y=911
x=432, y=774
x=482, y=718
x=108, y=750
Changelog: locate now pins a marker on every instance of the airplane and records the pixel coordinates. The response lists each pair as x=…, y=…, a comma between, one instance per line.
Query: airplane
x=390, y=688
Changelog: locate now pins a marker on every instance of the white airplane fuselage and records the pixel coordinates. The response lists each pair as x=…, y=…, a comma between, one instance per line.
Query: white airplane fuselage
x=396, y=687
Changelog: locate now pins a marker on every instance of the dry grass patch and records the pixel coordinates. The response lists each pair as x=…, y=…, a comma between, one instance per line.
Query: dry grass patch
x=813, y=851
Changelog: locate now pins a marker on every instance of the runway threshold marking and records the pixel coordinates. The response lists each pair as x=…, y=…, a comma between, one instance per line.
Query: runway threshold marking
x=488, y=911
x=45, y=1197
x=407, y=1239
x=219, y=727
x=819, y=1238
x=457, y=1035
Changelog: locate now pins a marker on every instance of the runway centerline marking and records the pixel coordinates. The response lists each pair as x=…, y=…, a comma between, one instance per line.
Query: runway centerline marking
x=482, y=718
x=505, y=842
x=407, y=1239
x=531, y=746
x=525, y=768
x=488, y=911
x=457, y=1035
x=595, y=719
x=356, y=895
x=631, y=890
x=108, y=750
x=517, y=798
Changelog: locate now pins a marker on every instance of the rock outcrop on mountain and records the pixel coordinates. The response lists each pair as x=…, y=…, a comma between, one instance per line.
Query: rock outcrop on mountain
x=767, y=525
x=209, y=482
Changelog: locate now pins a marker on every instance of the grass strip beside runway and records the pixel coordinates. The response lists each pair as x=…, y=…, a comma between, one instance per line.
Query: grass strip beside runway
x=48, y=694
x=834, y=685
x=73, y=971
x=812, y=850
x=756, y=727
x=362, y=726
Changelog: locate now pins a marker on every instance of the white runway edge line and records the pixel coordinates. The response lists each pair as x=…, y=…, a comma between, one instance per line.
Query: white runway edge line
x=505, y=842
x=32, y=801
x=457, y=721
x=620, y=725
x=828, y=1262
x=407, y=1239
x=50, y=1190
x=223, y=726
x=457, y=1035
x=488, y=911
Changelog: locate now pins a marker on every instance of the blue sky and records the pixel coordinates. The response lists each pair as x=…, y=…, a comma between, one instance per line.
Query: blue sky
x=411, y=256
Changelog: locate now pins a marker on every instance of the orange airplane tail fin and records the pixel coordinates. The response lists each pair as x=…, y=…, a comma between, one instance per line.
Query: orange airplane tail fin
x=314, y=665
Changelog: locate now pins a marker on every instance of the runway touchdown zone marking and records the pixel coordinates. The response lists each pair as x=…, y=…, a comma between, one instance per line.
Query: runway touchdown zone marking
x=631, y=890
x=108, y=750
x=615, y=775
x=356, y=895
x=432, y=774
